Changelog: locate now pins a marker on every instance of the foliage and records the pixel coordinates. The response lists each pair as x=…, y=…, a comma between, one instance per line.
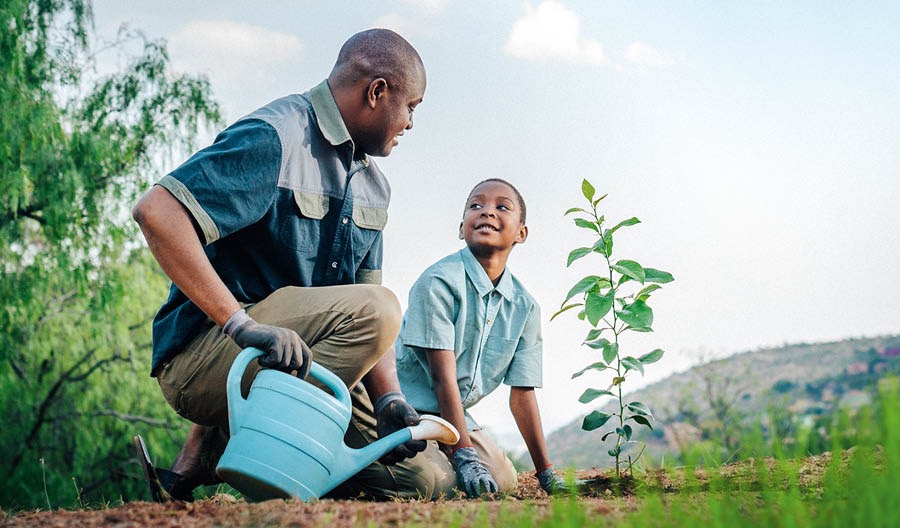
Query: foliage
x=611, y=306
x=76, y=147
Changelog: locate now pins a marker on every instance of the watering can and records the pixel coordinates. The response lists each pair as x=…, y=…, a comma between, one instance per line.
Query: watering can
x=287, y=436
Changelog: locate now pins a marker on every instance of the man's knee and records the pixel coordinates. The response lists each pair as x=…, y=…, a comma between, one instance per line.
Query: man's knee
x=384, y=309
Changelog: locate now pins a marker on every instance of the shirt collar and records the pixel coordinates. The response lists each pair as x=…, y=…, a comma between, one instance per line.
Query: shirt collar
x=328, y=116
x=480, y=279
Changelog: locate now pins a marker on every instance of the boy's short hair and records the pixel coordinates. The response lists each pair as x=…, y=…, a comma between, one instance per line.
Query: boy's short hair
x=511, y=186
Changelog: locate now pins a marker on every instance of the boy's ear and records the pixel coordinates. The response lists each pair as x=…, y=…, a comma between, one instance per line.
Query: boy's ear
x=375, y=91
x=522, y=234
x=461, y=237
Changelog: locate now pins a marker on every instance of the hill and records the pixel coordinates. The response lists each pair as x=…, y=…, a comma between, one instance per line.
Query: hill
x=782, y=388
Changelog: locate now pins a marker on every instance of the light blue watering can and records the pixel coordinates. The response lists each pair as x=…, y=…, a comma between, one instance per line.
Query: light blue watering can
x=287, y=436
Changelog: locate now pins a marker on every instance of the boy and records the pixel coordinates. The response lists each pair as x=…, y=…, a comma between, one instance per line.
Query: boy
x=471, y=324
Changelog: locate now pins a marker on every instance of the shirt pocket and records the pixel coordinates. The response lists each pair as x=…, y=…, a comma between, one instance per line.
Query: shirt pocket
x=497, y=355
x=301, y=230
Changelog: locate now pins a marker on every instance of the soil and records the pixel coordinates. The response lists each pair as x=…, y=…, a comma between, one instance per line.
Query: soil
x=597, y=495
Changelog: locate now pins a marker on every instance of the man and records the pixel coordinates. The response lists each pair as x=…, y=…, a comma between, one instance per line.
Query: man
x=272, y=239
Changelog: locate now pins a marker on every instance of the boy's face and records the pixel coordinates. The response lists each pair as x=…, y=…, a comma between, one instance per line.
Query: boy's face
x=492, y=220
x=392, y=114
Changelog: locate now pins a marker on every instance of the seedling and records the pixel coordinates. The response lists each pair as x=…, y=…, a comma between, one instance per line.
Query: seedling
x=613, y=302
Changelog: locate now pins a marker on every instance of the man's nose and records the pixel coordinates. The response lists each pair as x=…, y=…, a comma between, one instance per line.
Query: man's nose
x=409, y=122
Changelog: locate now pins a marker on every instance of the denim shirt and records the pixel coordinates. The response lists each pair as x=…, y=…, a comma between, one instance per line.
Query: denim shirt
x=494, y=332
x=280, y=199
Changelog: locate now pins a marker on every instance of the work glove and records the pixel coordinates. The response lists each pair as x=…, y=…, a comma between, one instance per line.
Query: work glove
x=551, y=482
x=283, y=348
x=474, y=478
x=393, y=414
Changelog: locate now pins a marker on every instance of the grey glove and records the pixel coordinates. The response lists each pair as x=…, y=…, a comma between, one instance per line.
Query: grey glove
x=474, y=478
x=393, y=414
x=551, y=482
x=284, y=350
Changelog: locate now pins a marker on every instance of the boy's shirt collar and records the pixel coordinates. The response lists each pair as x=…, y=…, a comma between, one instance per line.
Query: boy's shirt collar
x=328, y=117
x=480, y=279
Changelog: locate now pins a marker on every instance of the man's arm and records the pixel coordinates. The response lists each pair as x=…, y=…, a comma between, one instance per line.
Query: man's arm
x=167, y=226
x=170, y=234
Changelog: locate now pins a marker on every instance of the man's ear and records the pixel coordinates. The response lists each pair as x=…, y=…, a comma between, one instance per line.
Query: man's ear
x=375, y=91
x=522, y=234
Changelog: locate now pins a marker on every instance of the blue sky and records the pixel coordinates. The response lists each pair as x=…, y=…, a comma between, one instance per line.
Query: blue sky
x=758, y=142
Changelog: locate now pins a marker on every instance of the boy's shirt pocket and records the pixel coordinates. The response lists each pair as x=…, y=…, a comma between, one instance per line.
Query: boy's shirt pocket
x=497, y=354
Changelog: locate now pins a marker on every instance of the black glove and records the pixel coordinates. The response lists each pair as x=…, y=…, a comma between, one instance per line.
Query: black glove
x=393, y=414
x=474, y=478
x=284, y=350
x=551, y=482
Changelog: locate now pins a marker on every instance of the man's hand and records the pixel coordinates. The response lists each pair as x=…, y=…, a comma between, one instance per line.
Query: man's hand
x=474, y=477
x=393, y=414
x=551, y=482
x=284, y=350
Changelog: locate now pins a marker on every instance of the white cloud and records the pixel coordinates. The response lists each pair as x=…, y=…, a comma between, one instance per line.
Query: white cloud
x=643, y=55
x=429, y=6
x=552, y=32
x=232, y=51
x=394, y=22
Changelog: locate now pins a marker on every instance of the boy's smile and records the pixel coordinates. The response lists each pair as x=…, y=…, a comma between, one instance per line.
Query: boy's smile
x=492, y=221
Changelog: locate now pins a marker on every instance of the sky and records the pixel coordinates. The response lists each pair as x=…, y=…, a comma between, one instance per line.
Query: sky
x=757, y=142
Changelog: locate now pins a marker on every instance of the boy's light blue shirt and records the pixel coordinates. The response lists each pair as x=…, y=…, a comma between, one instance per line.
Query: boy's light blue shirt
x=495, y=332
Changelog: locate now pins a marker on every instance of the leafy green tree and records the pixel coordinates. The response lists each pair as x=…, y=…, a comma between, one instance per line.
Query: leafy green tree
x=78, y=290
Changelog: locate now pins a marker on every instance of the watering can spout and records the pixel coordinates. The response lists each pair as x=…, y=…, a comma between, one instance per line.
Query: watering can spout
x=429, y=428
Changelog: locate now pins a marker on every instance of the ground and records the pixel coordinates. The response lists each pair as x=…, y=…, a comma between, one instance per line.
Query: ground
x=224, y=510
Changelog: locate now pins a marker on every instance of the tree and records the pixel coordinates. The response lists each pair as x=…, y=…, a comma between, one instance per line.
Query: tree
x=78, y=290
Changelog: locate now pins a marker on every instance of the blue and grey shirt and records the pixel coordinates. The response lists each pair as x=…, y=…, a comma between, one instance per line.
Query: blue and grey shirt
x=281, y=199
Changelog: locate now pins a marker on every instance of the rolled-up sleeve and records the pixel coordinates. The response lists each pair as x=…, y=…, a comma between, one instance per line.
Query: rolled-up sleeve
x=526, y=368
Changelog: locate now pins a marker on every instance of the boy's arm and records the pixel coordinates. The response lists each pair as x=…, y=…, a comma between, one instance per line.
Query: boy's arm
x=523, y=404
x=443, y=375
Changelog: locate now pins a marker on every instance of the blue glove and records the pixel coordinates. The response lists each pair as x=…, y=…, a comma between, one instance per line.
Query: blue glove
x=474, y=478
x=551, y=482
x=393, y=414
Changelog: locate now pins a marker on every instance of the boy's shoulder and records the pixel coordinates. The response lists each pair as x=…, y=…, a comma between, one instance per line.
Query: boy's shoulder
x=446, y=270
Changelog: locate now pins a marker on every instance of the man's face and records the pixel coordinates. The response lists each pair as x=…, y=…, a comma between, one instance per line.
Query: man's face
x=492, y=220
x=392, y=116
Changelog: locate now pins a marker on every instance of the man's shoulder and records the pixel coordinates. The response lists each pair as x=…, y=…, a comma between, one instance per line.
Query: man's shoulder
x=287, y=115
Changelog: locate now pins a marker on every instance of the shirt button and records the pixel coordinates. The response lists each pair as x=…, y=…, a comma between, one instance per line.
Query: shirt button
x=488, y=321
x=334, y=265
x=345, y=220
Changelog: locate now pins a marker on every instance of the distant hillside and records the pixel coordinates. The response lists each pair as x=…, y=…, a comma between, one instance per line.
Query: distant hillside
x=804, y=379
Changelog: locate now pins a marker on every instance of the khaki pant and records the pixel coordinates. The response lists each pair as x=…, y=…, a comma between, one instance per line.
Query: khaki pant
x=348, y=329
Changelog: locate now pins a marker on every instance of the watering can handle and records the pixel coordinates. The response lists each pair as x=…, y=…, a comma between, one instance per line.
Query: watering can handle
x=236, y=373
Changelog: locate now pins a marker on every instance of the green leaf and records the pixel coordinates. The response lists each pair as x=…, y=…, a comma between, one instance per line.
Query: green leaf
x=594, y=420
x=637, y=315
x=610, y=352
x=594, y=334
x=624, y=432
x=639, y=408
x=587, y=224
x=575, y=210
x=576, y=254
x=630, y=269
x=651, y=357
x=593, y=366
x=631, y=363
x=584, y=285
x=604, y=437
x=600, y=246
x=624, y=223
x=598, y=344
x=645, y=292
x=595, y=202
x=564, y=309
x=596, y=306
x=641, y=420
x=592, y=394
x=655, y=275
x=587, y=190
x=614, y=451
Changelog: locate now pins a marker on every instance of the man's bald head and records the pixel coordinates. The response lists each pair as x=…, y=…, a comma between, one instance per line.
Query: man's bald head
x=377, y=53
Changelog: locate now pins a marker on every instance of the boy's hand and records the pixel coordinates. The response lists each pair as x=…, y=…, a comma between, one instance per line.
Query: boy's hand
x=551, y=482
x=474, y=477
x=284, y=350
x=393, y=414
